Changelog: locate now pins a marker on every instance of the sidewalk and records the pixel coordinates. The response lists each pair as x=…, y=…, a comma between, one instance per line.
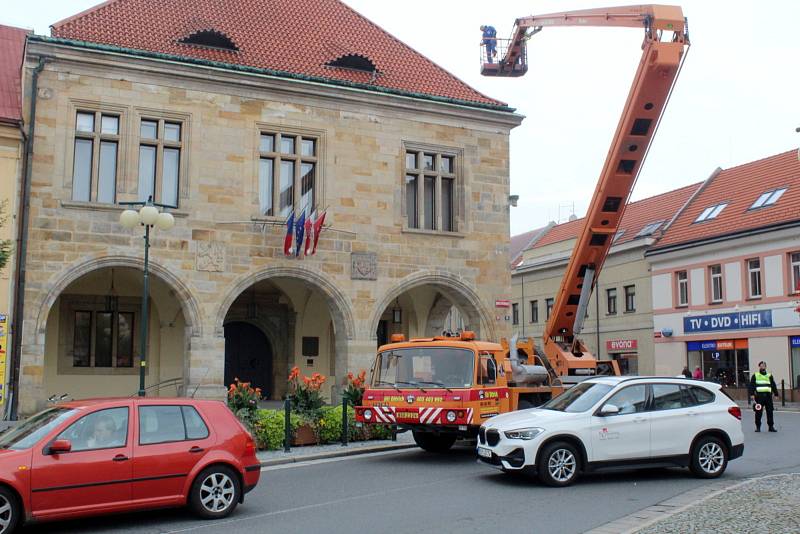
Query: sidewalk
x=765, y=504
x=790, y=406
x=333, y=450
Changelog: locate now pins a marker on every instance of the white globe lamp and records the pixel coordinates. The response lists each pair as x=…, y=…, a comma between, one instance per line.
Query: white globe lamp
x=129, y=218
x=165, y=221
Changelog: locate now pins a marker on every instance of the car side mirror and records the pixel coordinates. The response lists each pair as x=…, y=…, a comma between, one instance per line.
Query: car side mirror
x=59, y=446
x=608, y=409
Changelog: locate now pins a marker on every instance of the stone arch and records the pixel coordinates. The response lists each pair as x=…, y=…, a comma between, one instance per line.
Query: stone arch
x=452, y=287
x=189, y=306
x=338, y=303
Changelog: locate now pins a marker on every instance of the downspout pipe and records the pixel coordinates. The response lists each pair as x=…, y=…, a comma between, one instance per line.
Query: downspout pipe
x=22, y=245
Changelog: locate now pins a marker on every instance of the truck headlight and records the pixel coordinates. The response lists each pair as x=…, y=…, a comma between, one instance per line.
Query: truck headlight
x=367, y=414
x=523, y=433
x=451, y=416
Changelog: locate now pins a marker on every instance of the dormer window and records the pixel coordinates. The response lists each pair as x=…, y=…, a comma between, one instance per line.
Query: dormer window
x=768, y=198
x=353, y=62
x=211, y=39
x=650, y=229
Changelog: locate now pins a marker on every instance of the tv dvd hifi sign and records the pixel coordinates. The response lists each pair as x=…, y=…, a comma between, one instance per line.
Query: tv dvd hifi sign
x=728, y=321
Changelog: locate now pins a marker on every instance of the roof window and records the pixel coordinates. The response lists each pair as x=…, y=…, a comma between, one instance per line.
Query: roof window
x=650, y=229
x=711, y=212
x=211, y=39
x=768, y=198
x=619, y=234
x=354, y=62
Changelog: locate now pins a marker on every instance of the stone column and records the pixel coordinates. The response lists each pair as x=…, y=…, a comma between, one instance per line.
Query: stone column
x=204, y=365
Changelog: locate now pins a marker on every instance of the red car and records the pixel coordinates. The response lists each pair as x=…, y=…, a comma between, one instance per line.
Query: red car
x=100, y=456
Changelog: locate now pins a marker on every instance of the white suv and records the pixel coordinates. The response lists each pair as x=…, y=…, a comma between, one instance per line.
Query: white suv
x=618, y=422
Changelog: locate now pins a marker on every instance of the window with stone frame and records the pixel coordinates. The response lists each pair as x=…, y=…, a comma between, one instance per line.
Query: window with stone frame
x=515, y=313
x=630, y=299
x=534, y=311
x=95, y=157
x=161, y=147
x=548, y=304
x=611, y=301
x=287, y=173
x=98, y=334
x=430, y=189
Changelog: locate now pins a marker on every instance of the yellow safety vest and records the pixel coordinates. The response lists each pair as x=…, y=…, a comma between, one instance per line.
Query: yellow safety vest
x=763, y=383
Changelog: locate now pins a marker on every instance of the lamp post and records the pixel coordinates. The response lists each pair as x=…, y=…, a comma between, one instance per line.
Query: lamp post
x=147, y=216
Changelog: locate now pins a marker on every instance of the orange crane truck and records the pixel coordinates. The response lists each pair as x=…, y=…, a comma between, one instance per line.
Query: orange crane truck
x=444, y=388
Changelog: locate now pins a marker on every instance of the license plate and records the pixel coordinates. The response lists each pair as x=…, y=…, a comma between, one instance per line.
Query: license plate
x=484, y=453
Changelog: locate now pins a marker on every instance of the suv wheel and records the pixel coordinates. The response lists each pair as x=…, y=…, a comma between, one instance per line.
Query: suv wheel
x=434, y=442
x=215, y=492
x=709, y=457
x=559, y=464
x=9, y=511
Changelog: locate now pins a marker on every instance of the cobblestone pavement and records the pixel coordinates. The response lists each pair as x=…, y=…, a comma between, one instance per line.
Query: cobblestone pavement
x=766, y=504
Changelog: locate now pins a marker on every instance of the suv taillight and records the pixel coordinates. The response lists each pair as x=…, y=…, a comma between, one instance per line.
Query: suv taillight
x=736, y=412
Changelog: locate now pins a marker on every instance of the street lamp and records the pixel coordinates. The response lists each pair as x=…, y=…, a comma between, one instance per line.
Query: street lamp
x=147, y=216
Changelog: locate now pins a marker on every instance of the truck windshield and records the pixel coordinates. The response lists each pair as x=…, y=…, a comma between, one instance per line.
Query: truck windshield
x=578, y=398
x=26, y=434
x=445, y=367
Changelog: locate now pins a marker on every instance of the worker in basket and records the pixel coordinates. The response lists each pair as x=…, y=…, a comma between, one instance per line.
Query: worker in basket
x=489, y=42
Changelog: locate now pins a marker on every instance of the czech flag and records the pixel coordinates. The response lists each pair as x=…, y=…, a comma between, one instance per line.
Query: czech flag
x=287, y=241
x=300, y=228
x=318, y=230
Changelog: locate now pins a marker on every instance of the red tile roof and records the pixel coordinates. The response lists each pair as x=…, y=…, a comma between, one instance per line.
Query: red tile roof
x=637, y=215
x=12, y=48
x=293, y=36
x=740, y=187
x=520, y=243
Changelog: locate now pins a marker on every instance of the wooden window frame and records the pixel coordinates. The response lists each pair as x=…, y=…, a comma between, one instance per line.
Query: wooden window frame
x=97, y=137
x=678, y=283
x=749, y=282
x=712, y=278
x=630, y=291
x=455, y=174
x=297, y=157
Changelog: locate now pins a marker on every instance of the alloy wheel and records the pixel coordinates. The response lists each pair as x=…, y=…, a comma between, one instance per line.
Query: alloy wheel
x=6, y=514
x=562, y=465
x=217, y=492
x=711, y=457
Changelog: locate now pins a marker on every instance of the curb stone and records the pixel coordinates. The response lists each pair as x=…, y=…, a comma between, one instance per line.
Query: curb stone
x=336, y=454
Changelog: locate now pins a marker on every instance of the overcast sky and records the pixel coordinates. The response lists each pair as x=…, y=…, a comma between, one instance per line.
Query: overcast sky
x=736, y=100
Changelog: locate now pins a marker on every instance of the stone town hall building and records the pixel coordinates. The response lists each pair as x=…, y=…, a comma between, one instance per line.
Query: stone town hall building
x=223, y=111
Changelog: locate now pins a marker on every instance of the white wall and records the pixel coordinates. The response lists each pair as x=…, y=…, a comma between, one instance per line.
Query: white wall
x=662, y=291
x=773, y=276
x=775, y=352
x=733, y=281
x=670, y=358
x=697, y=285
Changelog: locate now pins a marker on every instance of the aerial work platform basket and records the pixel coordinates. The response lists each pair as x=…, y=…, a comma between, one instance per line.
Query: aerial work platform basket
x=508, y=59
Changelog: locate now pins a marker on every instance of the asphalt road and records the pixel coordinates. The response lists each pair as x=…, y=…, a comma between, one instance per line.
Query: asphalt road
x=413, y=491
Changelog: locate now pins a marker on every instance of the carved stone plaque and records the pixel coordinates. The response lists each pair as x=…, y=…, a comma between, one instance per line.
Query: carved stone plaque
x=363, y=266
x=210, y=256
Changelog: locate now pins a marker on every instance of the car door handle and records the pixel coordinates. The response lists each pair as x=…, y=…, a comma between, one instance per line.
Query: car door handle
x=120, y=458
x=640, y=420
x=196, y=449
x=691, y=413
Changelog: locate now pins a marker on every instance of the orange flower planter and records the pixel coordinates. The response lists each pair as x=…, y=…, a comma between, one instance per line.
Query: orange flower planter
x=304, y=436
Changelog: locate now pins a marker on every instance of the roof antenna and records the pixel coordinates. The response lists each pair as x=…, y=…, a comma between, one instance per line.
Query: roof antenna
x=198, y=384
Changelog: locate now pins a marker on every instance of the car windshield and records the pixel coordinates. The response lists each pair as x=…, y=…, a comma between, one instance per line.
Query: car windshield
x=578, y=398
x=27, y=433
x=444, y=367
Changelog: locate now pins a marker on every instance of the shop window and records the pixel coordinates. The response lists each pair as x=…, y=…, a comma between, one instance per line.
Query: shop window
x=628, y=363
x=611, y=301
x=160, y=150
x=429, y=189
x=682, y=280
x=288, y=174
x=534, y=311
x=95, y=157
x=515, y=313
x=715, y=276
x=729, y=366
x=795, y=362
x=754, y=278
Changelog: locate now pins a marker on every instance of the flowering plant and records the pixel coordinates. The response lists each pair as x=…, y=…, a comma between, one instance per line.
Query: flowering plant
x=305, y=394
x=354, y=390
x=243, y=401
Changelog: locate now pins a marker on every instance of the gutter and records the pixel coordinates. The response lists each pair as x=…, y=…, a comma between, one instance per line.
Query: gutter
x=267, y=72
x=22, y=247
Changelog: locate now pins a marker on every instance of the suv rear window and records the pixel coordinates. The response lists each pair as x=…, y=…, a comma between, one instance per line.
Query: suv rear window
x=702, y=395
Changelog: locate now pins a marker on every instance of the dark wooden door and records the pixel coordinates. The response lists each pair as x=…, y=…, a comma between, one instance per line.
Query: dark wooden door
x=248, y=357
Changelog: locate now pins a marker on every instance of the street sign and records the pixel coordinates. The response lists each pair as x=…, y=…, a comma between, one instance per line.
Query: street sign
x=502, y=303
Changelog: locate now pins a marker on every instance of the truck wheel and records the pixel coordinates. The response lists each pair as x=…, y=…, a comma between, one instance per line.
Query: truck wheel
x=559, y=464
x=709, y=458
x=434, y=442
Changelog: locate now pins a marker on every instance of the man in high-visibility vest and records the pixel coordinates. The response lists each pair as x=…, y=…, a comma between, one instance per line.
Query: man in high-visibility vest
x=762, y=388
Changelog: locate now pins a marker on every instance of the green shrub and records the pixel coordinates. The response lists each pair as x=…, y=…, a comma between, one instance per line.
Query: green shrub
x=268, y=428
x=380, y=432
